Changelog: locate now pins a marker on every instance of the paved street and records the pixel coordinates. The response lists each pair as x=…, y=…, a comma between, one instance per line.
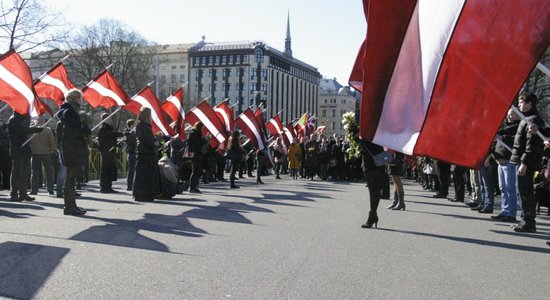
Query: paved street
x=283, y=240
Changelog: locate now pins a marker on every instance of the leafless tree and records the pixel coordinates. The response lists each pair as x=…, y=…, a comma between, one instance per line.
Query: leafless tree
x=539, y=83
x=27, y=25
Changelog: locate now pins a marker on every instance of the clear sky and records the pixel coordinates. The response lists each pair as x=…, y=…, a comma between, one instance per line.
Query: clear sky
x=325, y=34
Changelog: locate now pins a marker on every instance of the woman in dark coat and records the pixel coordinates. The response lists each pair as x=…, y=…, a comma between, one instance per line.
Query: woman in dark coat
x=147, y=177
x=235, y=152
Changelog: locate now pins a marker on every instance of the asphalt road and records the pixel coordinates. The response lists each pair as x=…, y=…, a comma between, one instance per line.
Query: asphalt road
x=283, y=240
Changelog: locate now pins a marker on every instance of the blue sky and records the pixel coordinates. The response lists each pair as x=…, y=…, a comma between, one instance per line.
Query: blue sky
x=325, y=34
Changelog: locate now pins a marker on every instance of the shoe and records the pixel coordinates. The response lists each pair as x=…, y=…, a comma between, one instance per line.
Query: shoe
x=73, y=212
x=522, y=227
x=234, y=186
x=472, y=204
x=105, y=191
x=478, y=208
x=15, y=199
x=222, y=179
x=259, y=181
x=498, y=217
x=27, y=198
x=77, y=194
x=509, y=219
x=391, y=206
x=485, y=211
x=277, y=177
x=195, y=191
x=372, y=220
x=113, y=191
x=81, y=210
x=548, y=243
x=33, y=193
x=51, y=193
x=439, y=196
x=454, y=200
x=59, y=195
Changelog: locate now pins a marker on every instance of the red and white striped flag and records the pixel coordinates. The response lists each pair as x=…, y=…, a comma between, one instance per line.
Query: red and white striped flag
x=105, y=91
x=54, y=84
x=146, y=98
x=204, y=113
x=275, y=126
x=251, y=128
x=289, y=134
x=173, y=106
x=225, y=114
x=16, y=85
x=439, y=76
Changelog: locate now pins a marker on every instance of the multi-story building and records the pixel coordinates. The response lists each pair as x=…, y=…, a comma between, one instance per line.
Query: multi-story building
x=171, y=68
x=253, y=73
x=334, y=101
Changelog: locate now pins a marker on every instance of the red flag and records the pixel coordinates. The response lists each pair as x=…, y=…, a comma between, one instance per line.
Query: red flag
x=173, y=106
x=105, y=91
x=437, y=80
x=275, y=126
x=54, y=84
x=16, y=85
x=147, y=98
x=251, y=128
x=320, y=129
x=289, y=134
x=225, y=114
x=204, y=113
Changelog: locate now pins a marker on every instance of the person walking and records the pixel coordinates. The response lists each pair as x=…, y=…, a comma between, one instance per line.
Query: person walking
x=74, y=148
x=147, y=175
x=294, y=158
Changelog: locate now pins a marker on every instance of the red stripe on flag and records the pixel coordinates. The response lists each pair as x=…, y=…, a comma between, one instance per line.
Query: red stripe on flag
x=486, y=63
x=54, y=84
x=105, y=91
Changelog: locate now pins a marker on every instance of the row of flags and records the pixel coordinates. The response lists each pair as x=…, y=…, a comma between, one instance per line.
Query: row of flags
x=23, y=95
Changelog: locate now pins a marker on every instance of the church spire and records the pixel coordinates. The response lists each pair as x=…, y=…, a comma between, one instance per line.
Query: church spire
x=288, y=50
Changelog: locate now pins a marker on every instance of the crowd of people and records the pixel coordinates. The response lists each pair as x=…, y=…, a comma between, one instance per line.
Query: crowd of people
x=517, y=166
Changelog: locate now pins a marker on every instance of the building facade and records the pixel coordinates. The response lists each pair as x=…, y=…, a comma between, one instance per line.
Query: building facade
x=334, y=101
x=171, y=69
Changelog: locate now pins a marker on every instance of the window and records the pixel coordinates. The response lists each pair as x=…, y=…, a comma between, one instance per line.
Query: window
x=342, y=112
x=163, y=79
x=173, y=78
x=212, y=73
x=326, y=101
x=263, y=88
x=173, y=67
x=212, y=87
x=263, y=73
x=215, y=60
x=238, y=59
x=182, y=78
x=230, y=59
x=227, y=86
x=198, y=87
x=182, y=67
x=333, y=114
x=323, y=112
x=239, y=86
x=224, y=60
x=198, y=74
x=226, y=73
x=245, y=59
x=343, y=101
x=333, y=125
x=259, y=55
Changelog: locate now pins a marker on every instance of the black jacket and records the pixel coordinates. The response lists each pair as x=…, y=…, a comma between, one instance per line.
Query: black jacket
x=19, y=131
x=107, y=138
x=195, y=143
x=528, y=147
x=145, y=138
x=74, y=148
x=508, y=133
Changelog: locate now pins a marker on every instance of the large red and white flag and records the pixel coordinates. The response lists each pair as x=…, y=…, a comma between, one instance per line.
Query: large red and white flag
x=173, y=106
x=251, y=128
x=54, y=84
x=289, y=134
x=16, y=85
x=225, y=114
x=275, y=126
x=105, y=91
x=437, y=77
x=146, y=98
x=206, y=114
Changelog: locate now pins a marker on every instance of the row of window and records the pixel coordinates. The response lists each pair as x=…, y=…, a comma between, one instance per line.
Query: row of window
x=173, y=78
x=212, y=73
x=173, y=67
x=220, y=60
x=333, y=112
x=229, y=87
x=332, y=101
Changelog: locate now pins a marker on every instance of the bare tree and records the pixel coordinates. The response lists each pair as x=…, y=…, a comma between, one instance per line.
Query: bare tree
x=27, y=24
x=539, y=83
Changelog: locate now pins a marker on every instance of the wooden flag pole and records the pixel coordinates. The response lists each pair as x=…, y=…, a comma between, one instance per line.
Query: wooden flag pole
x=524, y=118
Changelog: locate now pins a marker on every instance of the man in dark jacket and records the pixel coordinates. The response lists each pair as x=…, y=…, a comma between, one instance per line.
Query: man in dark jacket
x=73, y=148
x=196, y=143
x=19, y=130
x=527, y=153
x=5, y=159
x=107, y=139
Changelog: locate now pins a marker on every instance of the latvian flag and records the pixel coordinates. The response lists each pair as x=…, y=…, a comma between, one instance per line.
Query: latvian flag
x=105, y=91
x=54, y=84
x=289, y=134
x=251, y=128
x=225, y=114
x=16, y=85
x=146, y=98
x=204, y=113
x=274, y=126
x=439, y=76
x=173, y=106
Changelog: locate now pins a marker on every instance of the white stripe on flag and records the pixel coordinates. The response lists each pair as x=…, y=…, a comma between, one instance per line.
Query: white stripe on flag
x=288, y=134
x=139, y=99
x=105, y=92
x=276, y=126
x=249, y=123
x=177, y=103
x=55, y=82
x=225, y=118
x=411, y=86
x=209, y=125
x=21, y=87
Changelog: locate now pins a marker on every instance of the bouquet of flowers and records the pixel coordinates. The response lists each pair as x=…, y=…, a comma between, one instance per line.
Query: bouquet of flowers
x=352, y=129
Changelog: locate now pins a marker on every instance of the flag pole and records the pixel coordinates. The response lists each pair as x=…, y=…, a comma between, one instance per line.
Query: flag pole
x=504, y=144
x=524, y=118
x=4, y=108
x=65, y=58
x=544, y=69
x=43, y=126
x=107, y=118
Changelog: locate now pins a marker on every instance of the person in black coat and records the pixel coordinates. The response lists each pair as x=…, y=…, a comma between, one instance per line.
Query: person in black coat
x=147, y=175
x=5, y=159
x=107, y=139
x=131, y=145
x=19, y=131
x=73, y=147
x=235, y=153
x=196, y=143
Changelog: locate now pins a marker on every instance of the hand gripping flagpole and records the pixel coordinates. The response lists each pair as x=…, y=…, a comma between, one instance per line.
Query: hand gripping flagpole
x=524, y=118
x=43, y=126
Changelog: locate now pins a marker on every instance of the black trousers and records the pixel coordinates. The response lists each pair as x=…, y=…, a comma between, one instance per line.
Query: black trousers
x=458, y=181
x=20, y=173
x=444, y=177
x=5, y=170
x=69, y=193
x=196, y=173
x=527, y=195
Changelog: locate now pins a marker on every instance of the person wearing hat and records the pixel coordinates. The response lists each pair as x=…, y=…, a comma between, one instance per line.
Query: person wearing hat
x=73, y=147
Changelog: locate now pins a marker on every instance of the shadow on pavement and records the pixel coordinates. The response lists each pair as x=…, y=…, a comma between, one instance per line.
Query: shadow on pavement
x=25, y=267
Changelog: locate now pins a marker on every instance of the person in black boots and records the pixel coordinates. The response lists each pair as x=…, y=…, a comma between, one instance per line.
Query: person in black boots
x=196, y=143
x=73, y=147
x=260, y=165
x=147, y=175
x=107, y=138
x=235, y=153
x=19, y=131
x=375, y=180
